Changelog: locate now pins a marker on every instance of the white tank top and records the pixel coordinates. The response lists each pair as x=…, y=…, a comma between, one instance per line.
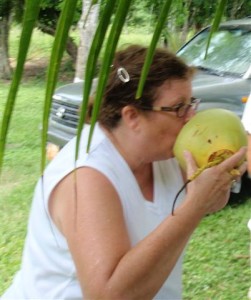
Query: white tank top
x=47, y=270
x=246, y=118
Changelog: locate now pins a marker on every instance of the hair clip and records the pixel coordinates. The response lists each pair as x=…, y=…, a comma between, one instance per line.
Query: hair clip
x=123, y=74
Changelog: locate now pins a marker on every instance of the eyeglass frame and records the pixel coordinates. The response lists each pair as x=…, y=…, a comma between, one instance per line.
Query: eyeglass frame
x=194, y=102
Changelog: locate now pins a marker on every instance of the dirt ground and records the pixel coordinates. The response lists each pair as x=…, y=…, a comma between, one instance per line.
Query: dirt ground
x=37, y=68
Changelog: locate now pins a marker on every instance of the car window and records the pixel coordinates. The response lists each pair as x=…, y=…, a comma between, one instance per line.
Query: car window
x=229, y=51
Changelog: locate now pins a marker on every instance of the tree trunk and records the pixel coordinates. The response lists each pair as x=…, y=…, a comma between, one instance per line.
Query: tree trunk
x=87, y=29
x=186, y=24
x=236, y=6
x=71, y=47
x=5, y=68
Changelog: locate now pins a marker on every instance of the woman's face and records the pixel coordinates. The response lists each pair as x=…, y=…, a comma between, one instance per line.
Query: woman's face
x=164, y=126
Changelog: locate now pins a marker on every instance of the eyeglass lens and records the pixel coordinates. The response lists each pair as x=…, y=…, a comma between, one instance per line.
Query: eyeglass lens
x=184, y=109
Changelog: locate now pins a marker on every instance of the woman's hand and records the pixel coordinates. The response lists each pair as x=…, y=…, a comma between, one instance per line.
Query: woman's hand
x=210, y=191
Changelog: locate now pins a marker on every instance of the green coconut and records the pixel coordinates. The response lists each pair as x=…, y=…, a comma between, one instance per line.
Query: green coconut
x=211, y=136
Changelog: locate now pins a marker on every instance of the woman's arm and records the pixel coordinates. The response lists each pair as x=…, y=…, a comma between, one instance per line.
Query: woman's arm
x=93, y=224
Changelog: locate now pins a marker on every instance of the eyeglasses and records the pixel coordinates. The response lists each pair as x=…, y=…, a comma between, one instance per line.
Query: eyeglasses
x=181, y=109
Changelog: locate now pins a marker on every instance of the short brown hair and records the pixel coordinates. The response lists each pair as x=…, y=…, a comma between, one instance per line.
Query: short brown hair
x=165, y=66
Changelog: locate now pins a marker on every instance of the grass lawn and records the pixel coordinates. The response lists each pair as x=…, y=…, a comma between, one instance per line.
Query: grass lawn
x=21, y=169
x=217, y=260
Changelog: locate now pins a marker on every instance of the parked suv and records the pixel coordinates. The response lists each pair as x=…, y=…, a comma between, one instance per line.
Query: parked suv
x=223, y=78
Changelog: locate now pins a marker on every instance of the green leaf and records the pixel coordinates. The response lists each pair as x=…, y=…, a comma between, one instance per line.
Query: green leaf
x=92, y=63
x=112, y=41
x=216, y=22
x=63, y=26
x=150, y=52
x=29, y=20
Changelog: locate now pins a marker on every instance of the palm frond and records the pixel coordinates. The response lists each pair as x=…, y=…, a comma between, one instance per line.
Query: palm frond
x=216, y=22
x=150, y=52
x=112, y=41
x=63, y=26
x=91, y=64
x=29, y=20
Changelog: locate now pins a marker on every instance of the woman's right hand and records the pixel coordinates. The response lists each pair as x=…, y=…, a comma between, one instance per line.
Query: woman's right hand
x=210, y=191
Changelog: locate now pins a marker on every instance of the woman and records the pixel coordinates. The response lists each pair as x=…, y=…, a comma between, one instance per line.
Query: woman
x=246, y=120
x=106, y=231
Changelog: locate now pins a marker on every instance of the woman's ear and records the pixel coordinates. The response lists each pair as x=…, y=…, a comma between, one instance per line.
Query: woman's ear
x=130, y=116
